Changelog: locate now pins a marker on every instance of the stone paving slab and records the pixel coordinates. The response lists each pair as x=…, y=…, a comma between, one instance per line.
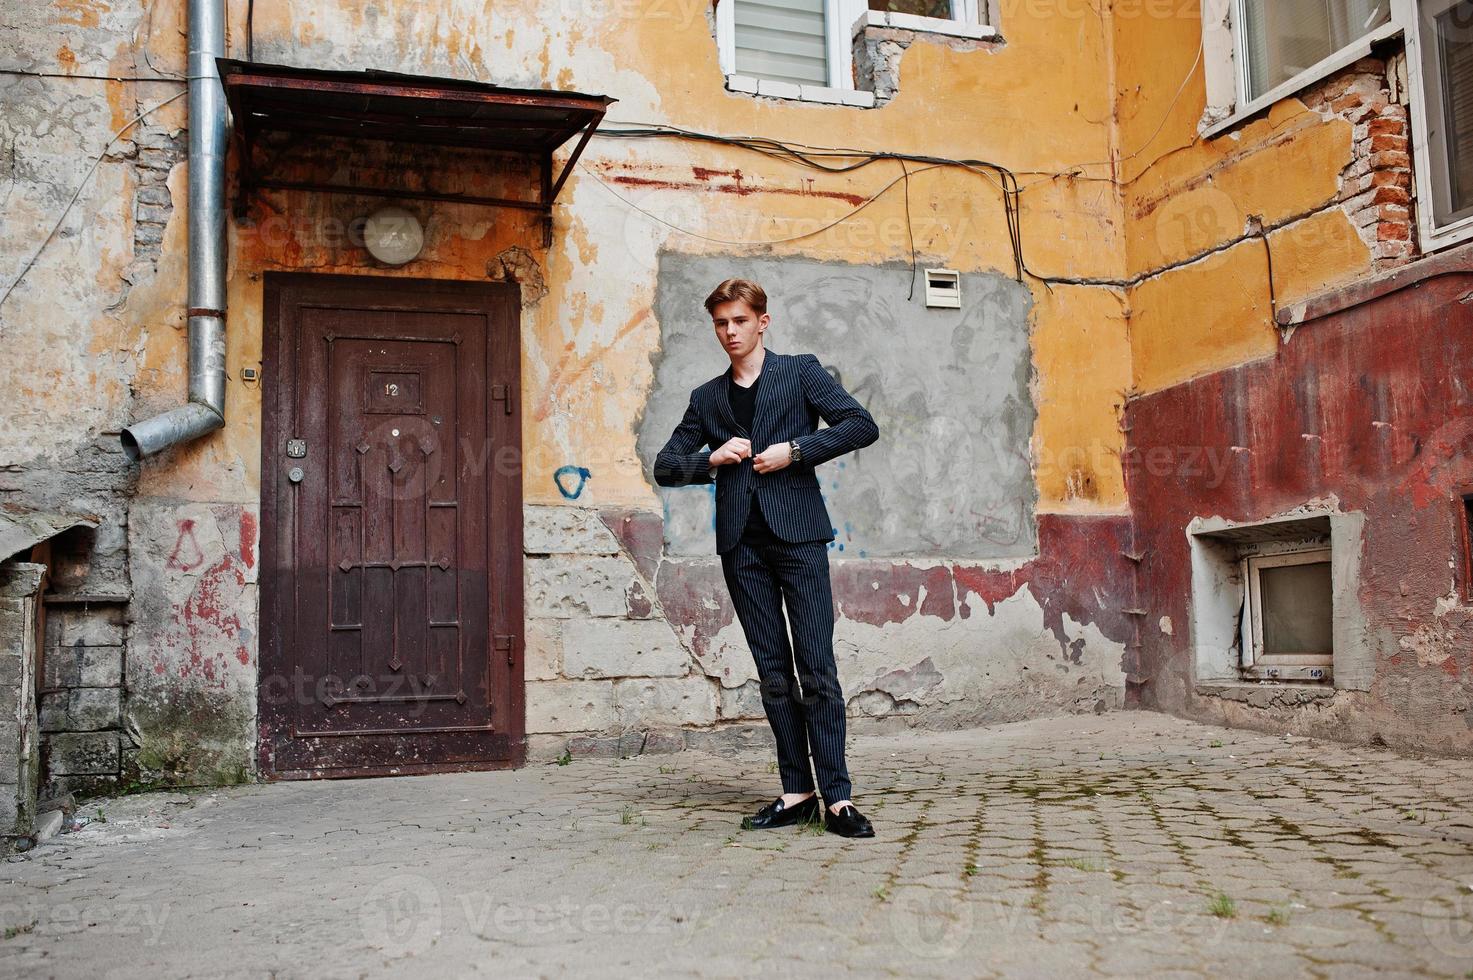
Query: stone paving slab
x=1127, y=844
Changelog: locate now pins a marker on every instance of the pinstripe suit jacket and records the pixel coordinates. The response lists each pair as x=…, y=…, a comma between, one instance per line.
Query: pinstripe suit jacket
x=794, y=394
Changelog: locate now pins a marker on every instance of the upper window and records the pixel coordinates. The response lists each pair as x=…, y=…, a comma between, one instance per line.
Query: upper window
x=1257, y=52
x=784, y=40
x=810, y=42
x=1445, y=39
x=1283, y=39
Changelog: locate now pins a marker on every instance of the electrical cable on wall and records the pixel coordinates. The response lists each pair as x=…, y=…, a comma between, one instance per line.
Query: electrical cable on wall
x=910, y=231
x=815, y=157
x=840, y=160
x=78, y=192
x=170, y=79
x=744, y=244
x=821, y=158
x=148, y=41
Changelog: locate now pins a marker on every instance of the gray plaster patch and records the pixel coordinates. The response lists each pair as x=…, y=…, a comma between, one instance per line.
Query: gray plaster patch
x=950, y=475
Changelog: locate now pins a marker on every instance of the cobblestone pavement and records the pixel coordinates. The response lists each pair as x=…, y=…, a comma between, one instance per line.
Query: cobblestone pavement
x=1122, y=844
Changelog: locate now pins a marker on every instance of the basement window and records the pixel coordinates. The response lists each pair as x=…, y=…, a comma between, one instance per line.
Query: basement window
x=1277, y=601
x=1288, y=616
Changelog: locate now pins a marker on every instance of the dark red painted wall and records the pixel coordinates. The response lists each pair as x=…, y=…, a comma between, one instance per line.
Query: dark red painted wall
x=1372, y=406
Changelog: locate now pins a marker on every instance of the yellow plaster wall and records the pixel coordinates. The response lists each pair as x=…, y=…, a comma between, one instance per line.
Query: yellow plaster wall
x=1082, y=353
x=1200, y=295
x=1039, y=105
x=1093, y=108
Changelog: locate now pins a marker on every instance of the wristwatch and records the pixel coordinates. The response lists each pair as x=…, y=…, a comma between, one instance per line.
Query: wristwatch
x=795, y=450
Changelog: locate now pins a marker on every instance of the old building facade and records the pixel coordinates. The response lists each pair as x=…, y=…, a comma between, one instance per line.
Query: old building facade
x=1143, y=298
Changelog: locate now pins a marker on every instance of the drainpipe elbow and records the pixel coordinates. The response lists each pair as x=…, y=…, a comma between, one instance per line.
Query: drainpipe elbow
x=151, y=436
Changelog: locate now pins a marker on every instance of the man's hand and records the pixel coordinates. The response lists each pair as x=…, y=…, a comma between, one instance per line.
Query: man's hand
x=735, y=450
x=775, y=457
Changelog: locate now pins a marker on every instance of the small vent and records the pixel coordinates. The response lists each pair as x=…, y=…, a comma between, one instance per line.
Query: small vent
x=944, y=289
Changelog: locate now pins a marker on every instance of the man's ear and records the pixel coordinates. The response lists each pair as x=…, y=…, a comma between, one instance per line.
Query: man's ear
x=763, y=321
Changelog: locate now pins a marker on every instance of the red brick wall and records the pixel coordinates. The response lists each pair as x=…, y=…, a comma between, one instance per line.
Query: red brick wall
x=1377, y=189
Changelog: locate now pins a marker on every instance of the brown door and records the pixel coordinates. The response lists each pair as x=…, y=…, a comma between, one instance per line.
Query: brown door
x=391, y=527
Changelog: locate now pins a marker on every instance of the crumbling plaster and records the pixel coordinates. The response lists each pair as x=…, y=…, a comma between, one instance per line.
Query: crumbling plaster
x=1158, y=294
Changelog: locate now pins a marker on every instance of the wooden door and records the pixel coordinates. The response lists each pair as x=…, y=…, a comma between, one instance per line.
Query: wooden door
x=391, y=612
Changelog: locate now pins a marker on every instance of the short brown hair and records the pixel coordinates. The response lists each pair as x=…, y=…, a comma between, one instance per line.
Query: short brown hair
x=744, y=290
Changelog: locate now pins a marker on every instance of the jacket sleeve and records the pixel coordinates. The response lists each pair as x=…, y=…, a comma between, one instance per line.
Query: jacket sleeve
x=683, y=462
x=850, y=426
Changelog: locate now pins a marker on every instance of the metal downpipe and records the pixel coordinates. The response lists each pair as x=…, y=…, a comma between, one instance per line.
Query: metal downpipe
x=208, y=134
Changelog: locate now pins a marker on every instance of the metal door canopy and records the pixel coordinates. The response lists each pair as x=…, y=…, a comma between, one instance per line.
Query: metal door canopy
x=415, y=109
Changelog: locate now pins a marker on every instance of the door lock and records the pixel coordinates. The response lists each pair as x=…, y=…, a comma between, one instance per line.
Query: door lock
x=296, y=448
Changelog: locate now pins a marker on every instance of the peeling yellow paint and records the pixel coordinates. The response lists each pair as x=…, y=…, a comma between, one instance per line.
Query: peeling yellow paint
x=1317, y=254
x=1202, y=317
x=81, y=13
x=1194, y=208
x=1203, y=198
x=1082, y=357
x=1069, y=104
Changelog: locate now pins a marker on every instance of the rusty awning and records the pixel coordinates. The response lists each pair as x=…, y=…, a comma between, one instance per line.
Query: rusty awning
x=412, y=109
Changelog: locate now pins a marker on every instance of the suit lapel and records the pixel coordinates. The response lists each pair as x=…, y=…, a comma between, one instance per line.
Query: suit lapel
x=772, y=372
x=723, y=403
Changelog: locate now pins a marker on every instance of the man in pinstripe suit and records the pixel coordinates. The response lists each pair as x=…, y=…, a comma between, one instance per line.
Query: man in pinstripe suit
x=753, y=431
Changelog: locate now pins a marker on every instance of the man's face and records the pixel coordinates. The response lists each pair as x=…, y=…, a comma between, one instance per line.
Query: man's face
x=738, y=327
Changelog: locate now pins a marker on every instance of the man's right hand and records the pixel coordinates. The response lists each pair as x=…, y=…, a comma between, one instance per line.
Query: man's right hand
x=735, y=450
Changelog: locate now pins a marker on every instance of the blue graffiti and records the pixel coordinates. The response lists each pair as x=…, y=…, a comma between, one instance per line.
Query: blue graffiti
x=570, y=471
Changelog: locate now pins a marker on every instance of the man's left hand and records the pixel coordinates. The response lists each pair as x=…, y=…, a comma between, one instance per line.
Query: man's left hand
x=773, y=458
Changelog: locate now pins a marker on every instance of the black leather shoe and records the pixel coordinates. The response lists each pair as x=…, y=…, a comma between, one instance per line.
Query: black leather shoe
x=848, y=822
x=775, y=814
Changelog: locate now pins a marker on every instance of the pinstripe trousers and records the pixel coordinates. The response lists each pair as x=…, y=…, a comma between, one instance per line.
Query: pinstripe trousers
x=762, y=573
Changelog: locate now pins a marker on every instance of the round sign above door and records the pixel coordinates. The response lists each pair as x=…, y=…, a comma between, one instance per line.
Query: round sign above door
x=393, y=235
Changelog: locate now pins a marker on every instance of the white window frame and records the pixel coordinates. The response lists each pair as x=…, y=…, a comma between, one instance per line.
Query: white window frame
x=1301, y=666
x=1225, y=70
x=1429, y=167
x=1225, y=64
x=842, y=19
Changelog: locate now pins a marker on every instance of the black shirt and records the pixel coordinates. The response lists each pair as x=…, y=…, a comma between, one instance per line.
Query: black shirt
x=744, y=407
x=743, y=402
